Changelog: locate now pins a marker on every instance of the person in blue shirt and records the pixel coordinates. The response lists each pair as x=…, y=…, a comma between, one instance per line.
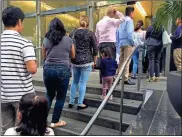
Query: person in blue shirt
x=177, y=45
x=108, y=67
x=125, y=42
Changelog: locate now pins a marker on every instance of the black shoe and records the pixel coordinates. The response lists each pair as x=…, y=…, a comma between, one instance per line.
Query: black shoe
x=134, y=77
x=128, y=82
x=70, y=106
x=100, y=81
x=80, y=107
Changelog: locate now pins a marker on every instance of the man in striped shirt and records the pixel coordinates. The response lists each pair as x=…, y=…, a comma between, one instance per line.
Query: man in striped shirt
x=18, y=63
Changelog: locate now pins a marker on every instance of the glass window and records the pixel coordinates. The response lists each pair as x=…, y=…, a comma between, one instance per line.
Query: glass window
x=26, y=6
x=143, y=10
x=30, y=28
x=50, y=5
x=70, y=21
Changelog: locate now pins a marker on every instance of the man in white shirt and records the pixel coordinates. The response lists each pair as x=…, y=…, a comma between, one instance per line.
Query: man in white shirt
x=18, y=63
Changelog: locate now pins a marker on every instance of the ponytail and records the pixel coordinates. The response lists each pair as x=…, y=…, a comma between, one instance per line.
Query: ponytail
x=83, y=24
x=84, y=21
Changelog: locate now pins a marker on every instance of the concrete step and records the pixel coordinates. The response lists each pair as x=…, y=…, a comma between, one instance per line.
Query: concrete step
x=117, y=93
x=97, y=89
x=129, y=106
x=75, y=127
x=107, y=118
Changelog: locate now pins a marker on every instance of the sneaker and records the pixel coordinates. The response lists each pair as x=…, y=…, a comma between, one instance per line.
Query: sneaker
x=128, y=82
x=102, y=97
x=133, y=77
x=151, y=79
x=111, y=97
x=156, y=79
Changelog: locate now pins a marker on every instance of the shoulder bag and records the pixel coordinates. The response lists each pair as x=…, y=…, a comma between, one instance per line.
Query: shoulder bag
x=166, y=40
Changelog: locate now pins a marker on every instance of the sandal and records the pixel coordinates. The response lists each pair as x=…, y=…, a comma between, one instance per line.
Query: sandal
x=151, y=79
x=59, y=124
x=156, y=79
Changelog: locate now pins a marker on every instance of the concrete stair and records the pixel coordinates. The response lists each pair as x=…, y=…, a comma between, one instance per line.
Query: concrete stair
x=108, y=121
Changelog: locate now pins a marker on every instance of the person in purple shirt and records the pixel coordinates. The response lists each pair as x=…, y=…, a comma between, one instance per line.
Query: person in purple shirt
x=177, y=44
x=108, y=68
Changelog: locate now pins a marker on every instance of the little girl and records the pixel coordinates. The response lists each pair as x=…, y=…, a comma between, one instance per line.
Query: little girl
x=108, y=67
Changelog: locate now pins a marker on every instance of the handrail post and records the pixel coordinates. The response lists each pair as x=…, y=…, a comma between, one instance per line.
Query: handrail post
x=121, y=105
x=121, y=73
x=139, y=68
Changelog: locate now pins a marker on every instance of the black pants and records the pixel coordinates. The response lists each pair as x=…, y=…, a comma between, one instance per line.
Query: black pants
x=154, y=55
x=111, y=48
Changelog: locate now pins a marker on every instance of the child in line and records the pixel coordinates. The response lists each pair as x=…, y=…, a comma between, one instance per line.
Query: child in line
x=32, y=115
x=108, y=67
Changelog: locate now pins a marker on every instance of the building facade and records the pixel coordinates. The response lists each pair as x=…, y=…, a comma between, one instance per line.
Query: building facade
x=39, y=13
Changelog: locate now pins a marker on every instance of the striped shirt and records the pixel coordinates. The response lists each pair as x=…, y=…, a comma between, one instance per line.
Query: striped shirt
x=15, y=79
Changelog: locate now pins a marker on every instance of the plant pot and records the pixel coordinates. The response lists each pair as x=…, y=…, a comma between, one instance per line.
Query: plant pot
x=174, y=90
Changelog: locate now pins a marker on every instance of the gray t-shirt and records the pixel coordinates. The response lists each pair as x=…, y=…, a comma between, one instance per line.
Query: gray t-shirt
x=58, y=54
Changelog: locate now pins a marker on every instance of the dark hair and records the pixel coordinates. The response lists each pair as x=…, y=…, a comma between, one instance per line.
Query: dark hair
x=34, y=112
x=139, y=25
x=56, y=31
x=105, y=52
x=11, y=16
x=129, y=10
x=180, y=18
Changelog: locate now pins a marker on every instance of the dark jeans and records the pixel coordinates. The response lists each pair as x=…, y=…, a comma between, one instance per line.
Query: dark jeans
x=56, y=80
x=154, y=55
x=111, y=48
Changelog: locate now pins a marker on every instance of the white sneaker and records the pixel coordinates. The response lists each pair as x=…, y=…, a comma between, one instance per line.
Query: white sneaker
x=52, y=125
x=102, y=97
x=111, y=97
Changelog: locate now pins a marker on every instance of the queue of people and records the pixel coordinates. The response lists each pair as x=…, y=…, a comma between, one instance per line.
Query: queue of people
x=24, y=113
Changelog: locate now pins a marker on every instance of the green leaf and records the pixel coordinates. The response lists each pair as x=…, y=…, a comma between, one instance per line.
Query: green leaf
x=168, y=10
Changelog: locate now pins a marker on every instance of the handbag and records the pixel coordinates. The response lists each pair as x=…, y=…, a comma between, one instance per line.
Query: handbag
x=74, y=42
x=166, y=40
x=98, y=62
x=73, y=37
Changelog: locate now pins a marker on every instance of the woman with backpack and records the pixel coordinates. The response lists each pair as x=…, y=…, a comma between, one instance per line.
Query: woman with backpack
x=154, y=48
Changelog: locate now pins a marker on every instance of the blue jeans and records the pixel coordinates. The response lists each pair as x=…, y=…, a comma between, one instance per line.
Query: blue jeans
x=56, y=80
x=80, y=77
x=135, y=62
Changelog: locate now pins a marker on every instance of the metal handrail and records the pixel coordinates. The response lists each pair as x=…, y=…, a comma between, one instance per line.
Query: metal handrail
x=37, y=48
x=90, y=123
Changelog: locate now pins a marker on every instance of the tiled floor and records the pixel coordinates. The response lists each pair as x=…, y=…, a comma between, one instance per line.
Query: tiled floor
x=157, y=117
